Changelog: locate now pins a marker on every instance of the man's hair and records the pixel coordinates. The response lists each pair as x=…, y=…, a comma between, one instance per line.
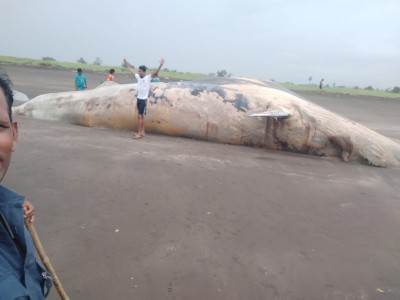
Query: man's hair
x=79, y=70
x=112, y=71
x=6, y=86
x=143, y=68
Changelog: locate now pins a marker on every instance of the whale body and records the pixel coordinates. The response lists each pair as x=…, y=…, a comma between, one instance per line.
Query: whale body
x=240, y=111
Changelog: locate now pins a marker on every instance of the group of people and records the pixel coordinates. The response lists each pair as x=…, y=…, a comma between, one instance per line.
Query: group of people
x=81, y=80
x=143, y=81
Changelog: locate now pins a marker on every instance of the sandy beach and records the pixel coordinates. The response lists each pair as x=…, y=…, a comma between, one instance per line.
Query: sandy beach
x=173, y=218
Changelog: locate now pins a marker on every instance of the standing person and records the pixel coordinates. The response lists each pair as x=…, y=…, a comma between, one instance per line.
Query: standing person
x=143, y=92
x=21, y=276
x=80, y=80
x=321, y=83
x=111, y=75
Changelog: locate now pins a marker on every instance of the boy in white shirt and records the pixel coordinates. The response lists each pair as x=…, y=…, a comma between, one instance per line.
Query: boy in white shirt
x=143, y=92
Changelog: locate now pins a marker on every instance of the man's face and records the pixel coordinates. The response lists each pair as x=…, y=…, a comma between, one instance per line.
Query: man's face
x=8, y=136
x=141, y=73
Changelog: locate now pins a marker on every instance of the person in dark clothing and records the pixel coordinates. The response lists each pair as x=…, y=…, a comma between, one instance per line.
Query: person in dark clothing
x=21, y=275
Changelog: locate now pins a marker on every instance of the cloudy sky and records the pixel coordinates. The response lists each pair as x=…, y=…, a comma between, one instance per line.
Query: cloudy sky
x=346, y=42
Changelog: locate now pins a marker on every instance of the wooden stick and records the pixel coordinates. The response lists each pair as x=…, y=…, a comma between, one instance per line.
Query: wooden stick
x=45, y=259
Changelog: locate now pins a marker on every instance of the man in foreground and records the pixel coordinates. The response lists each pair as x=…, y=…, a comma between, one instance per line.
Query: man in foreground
x=143, y=93
x=21, y=276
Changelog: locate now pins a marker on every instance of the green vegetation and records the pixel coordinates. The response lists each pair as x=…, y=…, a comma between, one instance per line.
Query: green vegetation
x=96, y=67
x=175, y=75
x=52, y=63
x=368, y=91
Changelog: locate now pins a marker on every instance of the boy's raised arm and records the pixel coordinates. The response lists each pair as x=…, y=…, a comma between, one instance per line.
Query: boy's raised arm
x=155, y=73
x=129, y=66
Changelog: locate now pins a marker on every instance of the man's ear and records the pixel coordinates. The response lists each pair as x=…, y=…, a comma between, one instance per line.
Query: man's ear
x=14, y=126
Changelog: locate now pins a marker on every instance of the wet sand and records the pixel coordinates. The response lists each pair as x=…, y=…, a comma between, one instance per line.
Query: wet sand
x=172, y=218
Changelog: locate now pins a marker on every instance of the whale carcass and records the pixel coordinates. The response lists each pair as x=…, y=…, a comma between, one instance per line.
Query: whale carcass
x=228, y=110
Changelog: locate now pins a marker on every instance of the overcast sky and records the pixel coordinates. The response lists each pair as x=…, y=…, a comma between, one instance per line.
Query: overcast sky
x=346, y=42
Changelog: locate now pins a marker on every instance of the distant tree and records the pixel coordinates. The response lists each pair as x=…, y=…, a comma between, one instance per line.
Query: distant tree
x=97, y=61
x=222, y=73
x=310, y=79
x=370, y=88
x=396, y=89
x=81, y=61
x=48, y=58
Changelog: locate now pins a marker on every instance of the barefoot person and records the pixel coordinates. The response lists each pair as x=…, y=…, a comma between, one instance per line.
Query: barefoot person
x=21, y=276
x=143, y=92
